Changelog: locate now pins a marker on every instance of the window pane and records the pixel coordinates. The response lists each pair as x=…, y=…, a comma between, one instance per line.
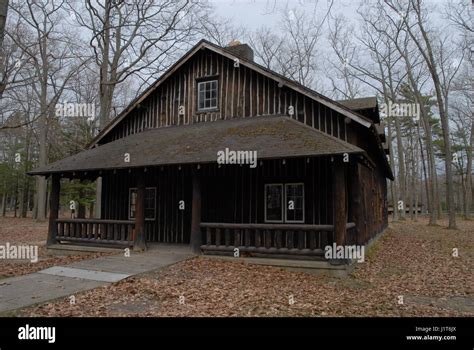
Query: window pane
x=133, y=200
x=150, y=196
x=294, y=202
x=273, y=202
x=150, y=213
x=207, y=95
x=150, y=203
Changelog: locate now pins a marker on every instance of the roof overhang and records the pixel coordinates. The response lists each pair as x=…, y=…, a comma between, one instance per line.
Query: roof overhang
x=357, y=104
x=271, y=137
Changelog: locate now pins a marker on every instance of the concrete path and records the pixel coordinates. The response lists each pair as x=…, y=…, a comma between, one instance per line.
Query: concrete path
x=62, y=281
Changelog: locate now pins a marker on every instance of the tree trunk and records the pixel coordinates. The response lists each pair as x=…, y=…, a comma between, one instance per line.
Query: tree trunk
x=401, y=168
x=427, y=53
x=4, y=204
x=468, y=205
x=392, y=162
x=41, y=185
x=3, y=20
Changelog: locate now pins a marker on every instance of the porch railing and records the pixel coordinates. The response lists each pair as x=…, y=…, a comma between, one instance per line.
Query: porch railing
x=110, y=232
x=277, y=240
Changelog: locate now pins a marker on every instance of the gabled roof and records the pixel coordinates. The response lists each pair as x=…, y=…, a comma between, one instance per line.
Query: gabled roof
x=366, y=122
x=272, y=137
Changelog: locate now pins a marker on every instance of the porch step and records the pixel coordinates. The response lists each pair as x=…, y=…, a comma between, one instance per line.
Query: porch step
x=71, y=248
x=318, y=267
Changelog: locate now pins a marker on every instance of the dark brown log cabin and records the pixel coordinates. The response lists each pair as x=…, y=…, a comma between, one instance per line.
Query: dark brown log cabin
x=320, y=175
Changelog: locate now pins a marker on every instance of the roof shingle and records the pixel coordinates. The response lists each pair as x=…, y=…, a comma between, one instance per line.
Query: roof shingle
x=271, y=136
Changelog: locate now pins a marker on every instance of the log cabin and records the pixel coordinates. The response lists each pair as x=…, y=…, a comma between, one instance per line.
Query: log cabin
x=320, y=176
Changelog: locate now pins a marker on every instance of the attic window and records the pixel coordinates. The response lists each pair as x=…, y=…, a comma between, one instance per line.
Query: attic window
x=207, y=95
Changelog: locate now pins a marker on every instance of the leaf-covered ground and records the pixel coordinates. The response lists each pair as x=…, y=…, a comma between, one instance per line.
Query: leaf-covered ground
x=25, y=231
x=411, y=260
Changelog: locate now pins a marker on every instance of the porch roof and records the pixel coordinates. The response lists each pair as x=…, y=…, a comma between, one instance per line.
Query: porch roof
x=271, y=136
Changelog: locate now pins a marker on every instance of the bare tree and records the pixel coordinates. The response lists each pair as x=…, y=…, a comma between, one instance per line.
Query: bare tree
x=221, y=30
x=420, y=36
x=50, y=52
x=3, y=21
x=342, y=41
x=293, y=50
x=267, y=46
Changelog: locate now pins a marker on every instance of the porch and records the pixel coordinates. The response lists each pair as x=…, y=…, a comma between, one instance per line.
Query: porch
x=225, y=209
x=181, y=195
x=297, y=241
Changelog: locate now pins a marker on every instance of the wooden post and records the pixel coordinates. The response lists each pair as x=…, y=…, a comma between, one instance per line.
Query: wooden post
x=340, y=213
x=53, y=209
x=139, y=243
x=355, y=200
x=196, y=239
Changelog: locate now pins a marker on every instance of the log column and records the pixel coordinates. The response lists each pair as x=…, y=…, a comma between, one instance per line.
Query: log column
x=196, y=237
x=356, y=205
x=53, y=209
x=139, y=243
x=340, y=211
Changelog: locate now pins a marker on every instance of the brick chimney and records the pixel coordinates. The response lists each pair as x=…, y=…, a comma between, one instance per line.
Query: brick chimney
x=240, y=50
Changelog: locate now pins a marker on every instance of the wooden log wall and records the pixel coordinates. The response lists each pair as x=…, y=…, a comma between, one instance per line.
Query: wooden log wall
x=230, y=193
x=242, y=93
x=236, y=194
x=171, y=225
x=373, y=210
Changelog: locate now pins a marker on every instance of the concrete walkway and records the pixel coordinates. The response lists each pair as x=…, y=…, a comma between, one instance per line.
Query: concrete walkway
x=62, y=281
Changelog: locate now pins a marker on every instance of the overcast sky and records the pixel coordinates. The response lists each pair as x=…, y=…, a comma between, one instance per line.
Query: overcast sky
x=255, y=13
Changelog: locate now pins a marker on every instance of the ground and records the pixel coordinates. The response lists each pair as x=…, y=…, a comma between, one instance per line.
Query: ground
x=409, y=271
x=19, y=231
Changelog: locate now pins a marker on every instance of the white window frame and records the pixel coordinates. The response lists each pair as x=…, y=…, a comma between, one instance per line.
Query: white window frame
x=130, y=203
x=286, y=203
x=282, y=200
x=217, y=95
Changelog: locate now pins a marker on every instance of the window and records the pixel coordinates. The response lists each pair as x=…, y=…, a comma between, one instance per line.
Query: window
x=274, y=203
x=207, y=95
x=290, y=202
x=294, y=202
x=150, y=203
